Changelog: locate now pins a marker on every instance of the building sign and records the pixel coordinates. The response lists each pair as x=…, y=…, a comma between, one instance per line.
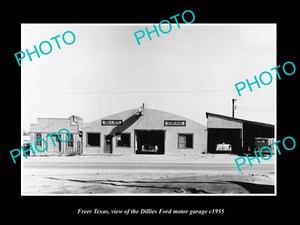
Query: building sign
x=111, y=122
x=175, y=123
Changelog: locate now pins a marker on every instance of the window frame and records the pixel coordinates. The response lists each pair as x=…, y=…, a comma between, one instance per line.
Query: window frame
x=127, y=133
x=36, y=137
x=87, y=139
x=71, y=141
x=181, y=134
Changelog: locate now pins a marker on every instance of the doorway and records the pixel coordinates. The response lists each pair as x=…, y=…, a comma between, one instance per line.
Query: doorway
x=54, y=145
x=223, y=136
x=150, y=141
x=108, y=144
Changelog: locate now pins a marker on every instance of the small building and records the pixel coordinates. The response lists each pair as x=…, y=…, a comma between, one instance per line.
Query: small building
x=144, y=131
x=46, y=126
x=241, y=134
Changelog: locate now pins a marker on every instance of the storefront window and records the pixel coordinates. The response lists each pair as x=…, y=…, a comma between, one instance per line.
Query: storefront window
x=70, y=142
x=185, y=140
x=38, y=136
x=123, y=140
x=93, y=139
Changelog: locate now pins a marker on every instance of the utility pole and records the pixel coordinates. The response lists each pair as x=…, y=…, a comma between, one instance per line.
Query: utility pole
x=233, y=107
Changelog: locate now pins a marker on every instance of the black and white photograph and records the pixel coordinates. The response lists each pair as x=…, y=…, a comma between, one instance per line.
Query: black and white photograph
x=158, y=115
x=141, y=112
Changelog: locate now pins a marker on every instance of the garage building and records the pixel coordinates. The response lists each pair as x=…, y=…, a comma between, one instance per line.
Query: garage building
x=144, y=131
x=240, y=134
x=150, y=131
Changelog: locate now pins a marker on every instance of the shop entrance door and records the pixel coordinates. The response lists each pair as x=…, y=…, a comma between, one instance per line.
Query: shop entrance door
x=108, y=144
x=54, y=144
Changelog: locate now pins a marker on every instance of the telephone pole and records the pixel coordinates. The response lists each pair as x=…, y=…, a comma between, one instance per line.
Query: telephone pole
x=233, y=107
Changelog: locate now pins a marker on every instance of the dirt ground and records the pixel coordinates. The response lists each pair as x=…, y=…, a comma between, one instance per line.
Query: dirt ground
x=81, y=175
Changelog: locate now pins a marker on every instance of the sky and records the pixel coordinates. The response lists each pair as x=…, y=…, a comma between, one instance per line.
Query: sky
x=189, y=71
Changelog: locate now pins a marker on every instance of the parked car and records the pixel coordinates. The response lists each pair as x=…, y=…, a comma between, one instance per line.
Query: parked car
x=262, y=142
x=26, y=147
x=223, y=147
x=149, y=148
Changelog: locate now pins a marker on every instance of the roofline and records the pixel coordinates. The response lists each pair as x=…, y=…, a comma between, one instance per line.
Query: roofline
x=103, y=118
x=239, y=120
x=135, y=109
x=47, y=118
x=75, y=116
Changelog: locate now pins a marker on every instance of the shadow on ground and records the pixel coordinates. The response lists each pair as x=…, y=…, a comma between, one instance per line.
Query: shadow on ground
x=255, y=188
x=175, y=186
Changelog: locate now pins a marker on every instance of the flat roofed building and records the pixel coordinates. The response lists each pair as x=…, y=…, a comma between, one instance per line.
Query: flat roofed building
x=46, y=126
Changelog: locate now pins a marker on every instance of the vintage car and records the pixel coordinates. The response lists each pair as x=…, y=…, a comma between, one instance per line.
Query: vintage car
x=149, y=148
x=261, y=142
x=223, y=147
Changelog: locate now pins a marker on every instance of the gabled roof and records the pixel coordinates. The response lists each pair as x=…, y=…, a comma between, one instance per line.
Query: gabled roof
x=238, y=120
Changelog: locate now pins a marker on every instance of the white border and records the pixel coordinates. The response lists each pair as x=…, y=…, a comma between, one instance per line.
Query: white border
x=174, y=195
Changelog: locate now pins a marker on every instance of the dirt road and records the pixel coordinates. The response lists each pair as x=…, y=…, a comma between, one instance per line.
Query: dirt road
x=81, y=175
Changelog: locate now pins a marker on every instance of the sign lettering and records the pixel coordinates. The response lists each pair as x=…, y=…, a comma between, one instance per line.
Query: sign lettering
x=175, y=123
x=111, y=122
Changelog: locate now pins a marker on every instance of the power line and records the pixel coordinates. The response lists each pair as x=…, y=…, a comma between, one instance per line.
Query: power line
x=132, y=92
